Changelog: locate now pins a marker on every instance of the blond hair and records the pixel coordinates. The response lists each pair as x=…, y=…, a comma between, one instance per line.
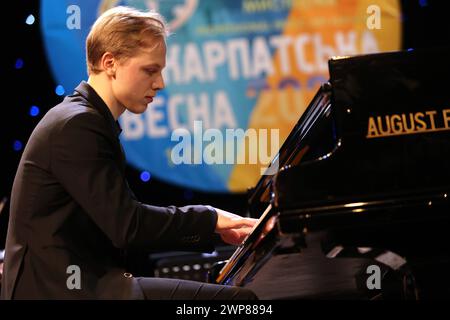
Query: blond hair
x=122, y=31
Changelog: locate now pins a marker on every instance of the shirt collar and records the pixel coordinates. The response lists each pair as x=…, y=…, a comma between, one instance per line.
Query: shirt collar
x=97, y=102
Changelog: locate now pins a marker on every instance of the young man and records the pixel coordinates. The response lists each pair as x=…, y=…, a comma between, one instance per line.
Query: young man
x=72, y=212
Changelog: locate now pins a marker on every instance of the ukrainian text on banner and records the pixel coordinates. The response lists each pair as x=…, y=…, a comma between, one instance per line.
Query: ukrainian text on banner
x=232, y=66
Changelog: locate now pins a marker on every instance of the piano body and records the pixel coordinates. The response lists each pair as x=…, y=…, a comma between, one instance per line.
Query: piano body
x=360, y=205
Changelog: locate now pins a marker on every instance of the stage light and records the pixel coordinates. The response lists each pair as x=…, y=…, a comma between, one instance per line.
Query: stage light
x=145, y=176
x=423, y=3
x=19, y=63
x=17, y=145
x=30, y=20
x=34, y=111
x=59, y=90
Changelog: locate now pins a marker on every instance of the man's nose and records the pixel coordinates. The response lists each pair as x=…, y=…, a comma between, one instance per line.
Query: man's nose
x=159, y=83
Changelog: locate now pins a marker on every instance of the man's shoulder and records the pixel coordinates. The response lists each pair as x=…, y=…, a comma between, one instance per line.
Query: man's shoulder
x=72, y=111
x=71, y=108
x=66, y=117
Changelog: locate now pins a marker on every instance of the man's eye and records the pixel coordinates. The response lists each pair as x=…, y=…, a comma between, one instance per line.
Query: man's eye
x=150, y=71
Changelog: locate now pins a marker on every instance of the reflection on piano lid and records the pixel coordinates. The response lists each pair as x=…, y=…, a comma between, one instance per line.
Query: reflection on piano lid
x=364, y=180
x=258, y=233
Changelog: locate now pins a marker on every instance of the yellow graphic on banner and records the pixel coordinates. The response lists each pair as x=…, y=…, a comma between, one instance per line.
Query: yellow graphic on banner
x=314, y=31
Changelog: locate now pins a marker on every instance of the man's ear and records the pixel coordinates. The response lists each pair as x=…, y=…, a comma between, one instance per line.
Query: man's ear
x=108, y=64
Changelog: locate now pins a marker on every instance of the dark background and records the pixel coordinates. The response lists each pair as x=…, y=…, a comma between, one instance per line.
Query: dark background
x=425, y=24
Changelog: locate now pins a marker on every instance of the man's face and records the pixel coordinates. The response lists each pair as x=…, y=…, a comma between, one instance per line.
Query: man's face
x=138, y=78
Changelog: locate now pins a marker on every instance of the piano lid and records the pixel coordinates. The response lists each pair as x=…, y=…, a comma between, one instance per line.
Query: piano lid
x=315, y=124
x=380, y=128
x=391, y=112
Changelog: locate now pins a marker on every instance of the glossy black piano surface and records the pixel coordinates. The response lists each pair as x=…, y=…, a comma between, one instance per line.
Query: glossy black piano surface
x=364, y=180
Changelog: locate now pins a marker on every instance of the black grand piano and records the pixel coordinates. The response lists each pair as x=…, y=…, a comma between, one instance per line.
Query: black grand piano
x=360, y=205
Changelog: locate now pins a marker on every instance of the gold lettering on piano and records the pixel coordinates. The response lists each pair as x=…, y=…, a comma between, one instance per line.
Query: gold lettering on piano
x=446, y=114
x=409, y=123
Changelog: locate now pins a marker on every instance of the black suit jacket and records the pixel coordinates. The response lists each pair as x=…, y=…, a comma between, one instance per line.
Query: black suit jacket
x=71, y=206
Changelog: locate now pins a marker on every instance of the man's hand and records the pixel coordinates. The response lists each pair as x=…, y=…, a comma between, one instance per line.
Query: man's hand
x=233, y=229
